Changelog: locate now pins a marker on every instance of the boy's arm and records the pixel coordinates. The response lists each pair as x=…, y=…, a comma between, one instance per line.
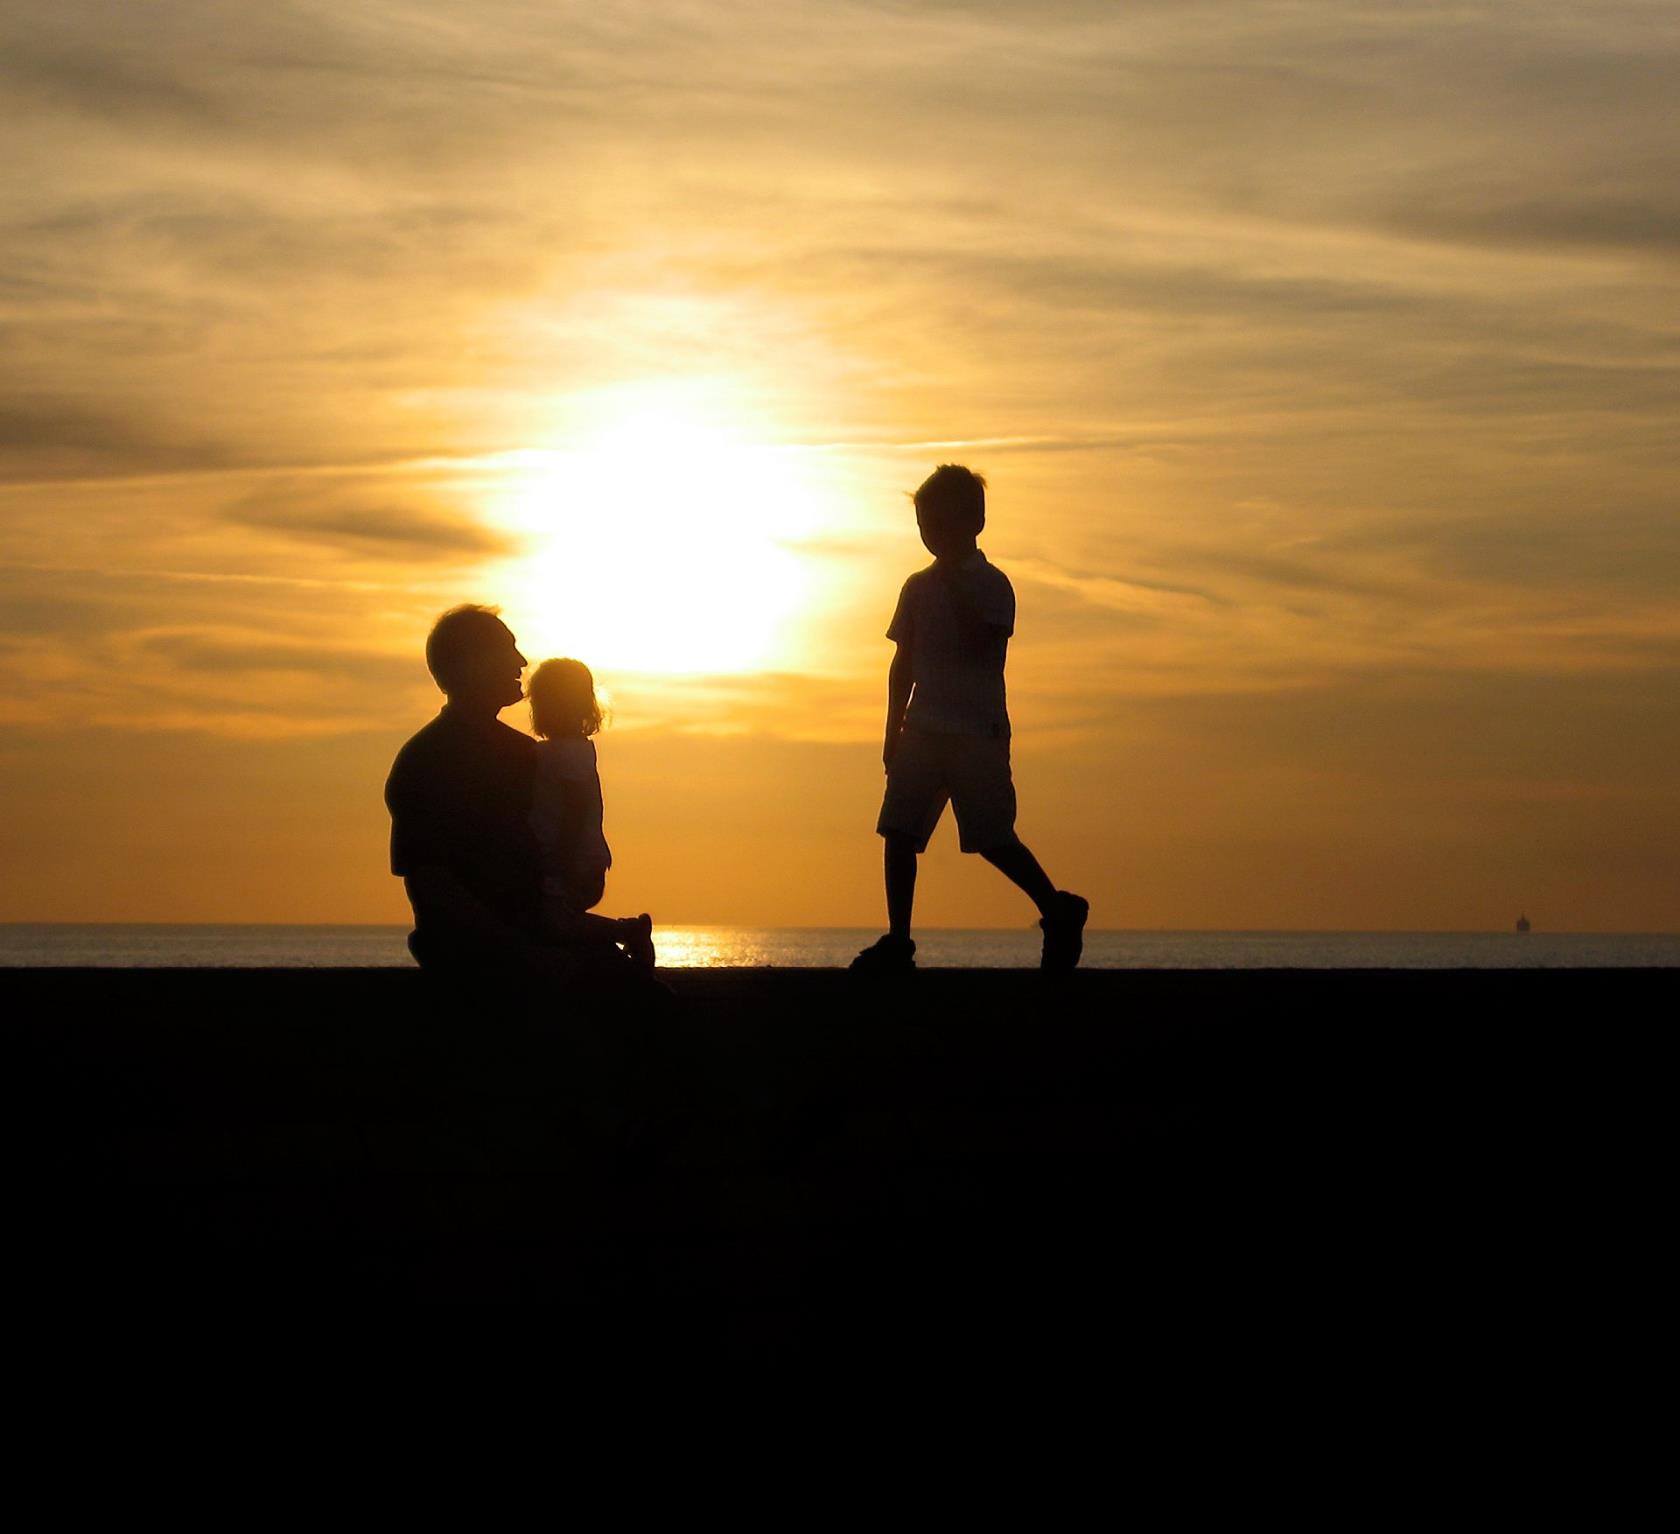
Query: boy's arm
x=441, y=901
x=899, y=680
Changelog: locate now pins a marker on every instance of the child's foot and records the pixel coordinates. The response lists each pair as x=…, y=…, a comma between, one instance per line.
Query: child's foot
x=888, y=955
x=638, y=941
x=1064, y=931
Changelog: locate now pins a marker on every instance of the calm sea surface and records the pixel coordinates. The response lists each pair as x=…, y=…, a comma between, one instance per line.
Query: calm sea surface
x=248, y=947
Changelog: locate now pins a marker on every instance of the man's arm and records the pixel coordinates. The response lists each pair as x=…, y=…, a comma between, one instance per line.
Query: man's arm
x=443, y=904
x=420, y=856
x=899, y=681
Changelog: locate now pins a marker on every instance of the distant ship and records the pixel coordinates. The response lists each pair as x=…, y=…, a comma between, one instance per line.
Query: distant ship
x=1522, y=924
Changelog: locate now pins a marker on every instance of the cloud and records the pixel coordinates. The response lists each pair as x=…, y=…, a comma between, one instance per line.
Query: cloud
x=105, y=84
x=788, y=705
x=56, y=439
x=1320, y=352
x=207, y=651
x=241, y=657
x=355, y=523
x=1137, y=597
x=1642, y=221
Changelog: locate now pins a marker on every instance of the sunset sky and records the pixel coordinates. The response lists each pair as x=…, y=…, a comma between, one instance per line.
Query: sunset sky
x=1323, y=359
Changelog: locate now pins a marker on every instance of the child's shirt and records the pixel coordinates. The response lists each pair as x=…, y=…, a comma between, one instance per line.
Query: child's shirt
x=566, y=767
x=958, y=683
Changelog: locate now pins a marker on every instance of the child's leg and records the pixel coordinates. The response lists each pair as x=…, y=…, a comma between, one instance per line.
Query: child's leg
x=899, y=863
x=1062, y=914
x=597, y=929
x=910, y=809
x=1018, y=864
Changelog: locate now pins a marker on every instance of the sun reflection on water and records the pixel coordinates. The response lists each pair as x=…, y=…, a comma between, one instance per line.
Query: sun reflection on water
x=708, y=948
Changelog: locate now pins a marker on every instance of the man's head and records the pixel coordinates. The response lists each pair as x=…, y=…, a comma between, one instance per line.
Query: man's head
x=473, y=658
x=950, y=510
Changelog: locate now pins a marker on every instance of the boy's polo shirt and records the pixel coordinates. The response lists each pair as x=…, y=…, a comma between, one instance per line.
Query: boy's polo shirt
x=958, y=675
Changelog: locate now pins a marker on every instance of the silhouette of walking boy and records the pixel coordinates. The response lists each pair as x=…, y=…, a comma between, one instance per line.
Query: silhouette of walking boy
x=948, y=725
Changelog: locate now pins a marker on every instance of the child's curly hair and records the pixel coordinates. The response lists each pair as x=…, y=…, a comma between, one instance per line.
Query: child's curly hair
x=563, y=701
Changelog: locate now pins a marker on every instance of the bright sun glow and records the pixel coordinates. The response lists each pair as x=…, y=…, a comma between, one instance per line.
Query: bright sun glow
x=663, y=543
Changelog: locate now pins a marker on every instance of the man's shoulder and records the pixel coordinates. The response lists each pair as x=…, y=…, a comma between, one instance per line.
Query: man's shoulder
x=510, y=739
x=443, y=740
x=421, y=745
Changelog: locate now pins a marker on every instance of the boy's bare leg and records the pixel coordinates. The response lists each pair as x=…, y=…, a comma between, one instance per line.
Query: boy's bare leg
x=1018, y=864
x=1063, y=913
x=899, y=861
x=894, y=954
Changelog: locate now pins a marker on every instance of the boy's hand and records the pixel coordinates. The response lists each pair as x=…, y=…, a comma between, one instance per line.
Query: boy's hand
x=890, y=746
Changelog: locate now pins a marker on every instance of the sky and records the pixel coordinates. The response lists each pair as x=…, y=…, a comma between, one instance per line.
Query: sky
x=1322, y=358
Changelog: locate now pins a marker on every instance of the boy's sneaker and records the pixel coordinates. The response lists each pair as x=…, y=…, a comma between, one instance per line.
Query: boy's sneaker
x=888, y=955
x=1064, y=931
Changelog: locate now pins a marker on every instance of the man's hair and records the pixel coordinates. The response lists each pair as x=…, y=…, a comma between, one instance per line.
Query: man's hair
x=955, y=492
x=456, y=636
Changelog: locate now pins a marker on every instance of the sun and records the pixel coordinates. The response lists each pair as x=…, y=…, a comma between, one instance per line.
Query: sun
x=663, y=542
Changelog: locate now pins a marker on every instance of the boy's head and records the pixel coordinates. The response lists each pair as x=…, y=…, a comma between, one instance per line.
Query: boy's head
x=950, y=510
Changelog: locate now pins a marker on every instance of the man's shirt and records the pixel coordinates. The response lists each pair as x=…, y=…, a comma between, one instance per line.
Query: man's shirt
x=958, y=674
x=460, y=799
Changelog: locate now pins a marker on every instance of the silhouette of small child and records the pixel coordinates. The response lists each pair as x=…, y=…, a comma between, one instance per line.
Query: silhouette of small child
x=567, y=813
x=947, y=736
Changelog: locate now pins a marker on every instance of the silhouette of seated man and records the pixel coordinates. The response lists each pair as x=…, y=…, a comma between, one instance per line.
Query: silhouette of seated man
x=460, y=796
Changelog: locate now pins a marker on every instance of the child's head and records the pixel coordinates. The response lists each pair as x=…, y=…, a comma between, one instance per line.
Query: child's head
x=950, y=510
x=563, y=702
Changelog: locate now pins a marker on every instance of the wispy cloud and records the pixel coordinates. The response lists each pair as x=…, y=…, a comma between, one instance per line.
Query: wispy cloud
x=1317, y=350
x=359, y=525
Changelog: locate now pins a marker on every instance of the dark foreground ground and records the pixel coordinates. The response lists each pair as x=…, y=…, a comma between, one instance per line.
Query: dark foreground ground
x=787, y=1162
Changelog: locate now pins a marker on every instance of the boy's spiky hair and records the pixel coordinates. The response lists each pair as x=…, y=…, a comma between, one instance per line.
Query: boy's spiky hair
x=954, y=490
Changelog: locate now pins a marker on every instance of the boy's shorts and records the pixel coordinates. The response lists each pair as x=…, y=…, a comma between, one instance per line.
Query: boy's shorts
x=970, y=771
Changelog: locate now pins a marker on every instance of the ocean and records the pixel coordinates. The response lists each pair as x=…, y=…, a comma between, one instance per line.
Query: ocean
x=301, y=947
